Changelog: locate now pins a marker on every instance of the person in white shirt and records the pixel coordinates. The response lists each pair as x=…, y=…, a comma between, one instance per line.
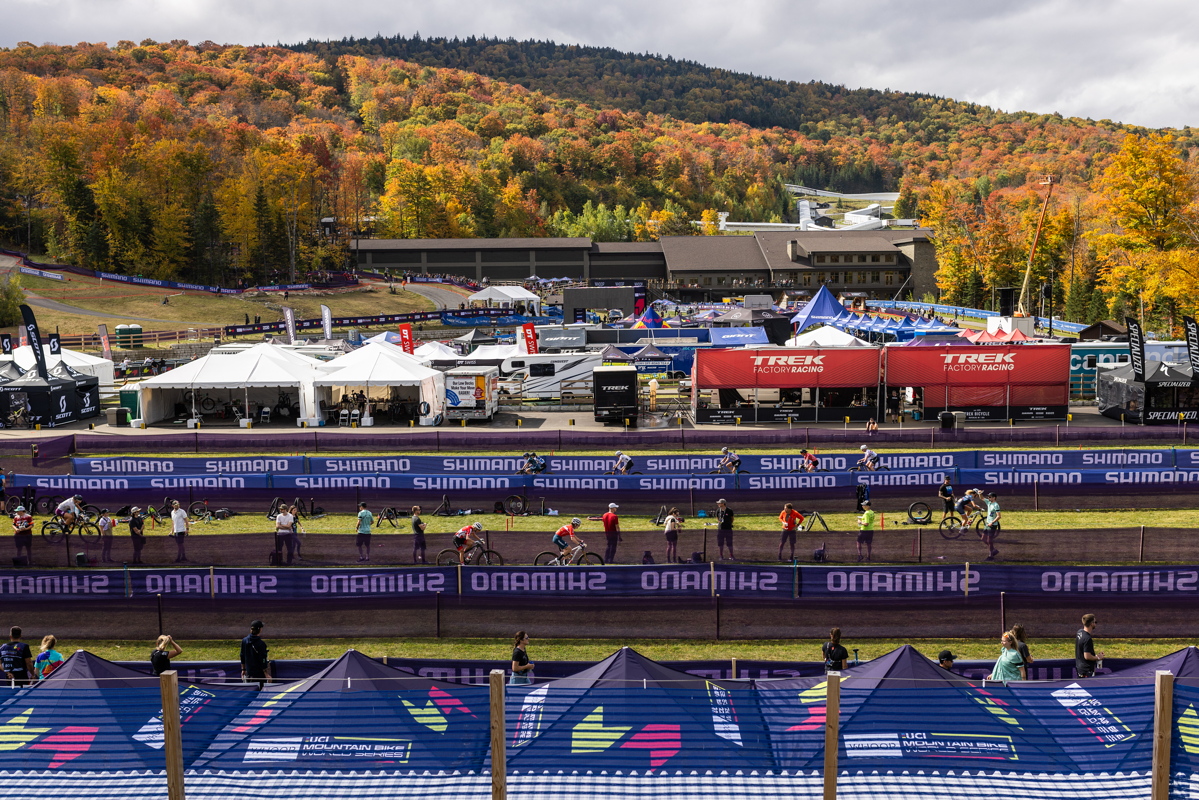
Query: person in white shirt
x=285, y=532
x=180, y=526
x=104, y=523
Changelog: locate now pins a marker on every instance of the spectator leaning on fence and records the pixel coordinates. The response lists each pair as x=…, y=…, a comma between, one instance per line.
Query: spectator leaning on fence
x=724, y=528
x=254, y=655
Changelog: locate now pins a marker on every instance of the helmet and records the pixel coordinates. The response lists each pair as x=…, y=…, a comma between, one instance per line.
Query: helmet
x=618, y=453
x=863, y=448
x=477, y=526
x=533, y=454
x=724, y=449
x=77, y=497
x=576, y=521
x=526, y=455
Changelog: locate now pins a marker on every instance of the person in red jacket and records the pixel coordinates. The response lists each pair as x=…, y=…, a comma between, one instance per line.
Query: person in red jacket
x=791, y=520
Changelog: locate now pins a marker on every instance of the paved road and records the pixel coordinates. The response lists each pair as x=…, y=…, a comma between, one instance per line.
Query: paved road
x=442, y=298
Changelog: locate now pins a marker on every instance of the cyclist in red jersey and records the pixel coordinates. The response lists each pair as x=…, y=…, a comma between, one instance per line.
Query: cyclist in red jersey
x=467, y=537
x=565, y=536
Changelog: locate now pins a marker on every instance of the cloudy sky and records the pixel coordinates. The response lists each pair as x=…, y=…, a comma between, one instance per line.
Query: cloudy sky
x=1127, y=60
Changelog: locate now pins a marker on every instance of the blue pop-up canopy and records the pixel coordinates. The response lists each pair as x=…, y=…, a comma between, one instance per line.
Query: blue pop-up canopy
x=823, y=308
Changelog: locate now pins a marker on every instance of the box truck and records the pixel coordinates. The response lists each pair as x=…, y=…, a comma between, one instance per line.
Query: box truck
x=472, y=393
x=616, y=393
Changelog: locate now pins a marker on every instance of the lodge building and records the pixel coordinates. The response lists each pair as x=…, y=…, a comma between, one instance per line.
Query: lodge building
x=879, y=264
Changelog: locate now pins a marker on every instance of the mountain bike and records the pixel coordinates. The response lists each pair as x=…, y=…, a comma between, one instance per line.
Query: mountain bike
x=205, y=403
x=953, y=526
x=810, y=518
x=309, y=510
x=880, y=467
x=573, y=556
x=729, y=470
x=388, y=514
x=56, y=530
x=19, y=418
x=476, y=554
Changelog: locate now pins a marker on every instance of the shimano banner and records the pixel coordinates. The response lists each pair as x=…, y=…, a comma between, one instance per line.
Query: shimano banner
x=231, y=465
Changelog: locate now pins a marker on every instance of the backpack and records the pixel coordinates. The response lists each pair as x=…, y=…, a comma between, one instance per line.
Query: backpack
x=648, y=558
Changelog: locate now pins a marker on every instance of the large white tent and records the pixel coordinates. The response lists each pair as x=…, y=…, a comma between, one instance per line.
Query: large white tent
x=254, y=376
x=431, y=350
x=826, y=336
x=102, y=368
x=507, y=297
x=387, y=374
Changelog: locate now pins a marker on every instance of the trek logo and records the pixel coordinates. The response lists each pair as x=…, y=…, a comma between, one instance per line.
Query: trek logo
x=788, y=361
x=979, y=358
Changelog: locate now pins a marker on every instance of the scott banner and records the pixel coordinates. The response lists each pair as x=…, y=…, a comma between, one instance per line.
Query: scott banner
x=790, y=368
x=682, y=580
x=979, y=366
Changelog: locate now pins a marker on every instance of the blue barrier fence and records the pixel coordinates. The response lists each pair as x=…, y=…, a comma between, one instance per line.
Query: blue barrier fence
x=973, y=313
x=684, y=580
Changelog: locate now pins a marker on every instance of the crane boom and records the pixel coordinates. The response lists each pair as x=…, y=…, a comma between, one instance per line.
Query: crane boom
x=1022, y=306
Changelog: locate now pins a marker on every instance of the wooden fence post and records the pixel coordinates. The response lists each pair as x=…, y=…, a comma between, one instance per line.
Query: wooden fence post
x=172, y=733
x=499, y=756
x=1163, y=728
x=832, y=718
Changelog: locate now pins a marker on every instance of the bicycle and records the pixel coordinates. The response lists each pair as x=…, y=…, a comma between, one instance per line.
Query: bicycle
x=574, y=556
x=730, y=469
x=476, y=554
x=953, y=526
x=810, y=518
x=309, y=510
x=860, y=467
x=205, y=403
x=19, y=418
x=920, y=513
x=388, y=514
x=514, y=505
x=615, y=472
x=56, y=530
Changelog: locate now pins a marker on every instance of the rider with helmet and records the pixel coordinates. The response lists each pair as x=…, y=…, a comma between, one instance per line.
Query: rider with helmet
x=534, y=464
x=870, y=459
x=810, y=462
x=70, y=509
x=624, y=464
x=729, y=461
x=565, y=536
x=466, y=537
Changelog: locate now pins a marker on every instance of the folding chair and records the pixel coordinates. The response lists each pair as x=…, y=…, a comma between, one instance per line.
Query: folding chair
x=355, y=417
x=264, y=414
x=343, y=417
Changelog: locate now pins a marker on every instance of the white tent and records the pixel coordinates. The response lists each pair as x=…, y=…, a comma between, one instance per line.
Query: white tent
x=507, y=297
x=102, y=368
x=267, y=370
x=431, y=350
x=826, y=336
x=388, y=374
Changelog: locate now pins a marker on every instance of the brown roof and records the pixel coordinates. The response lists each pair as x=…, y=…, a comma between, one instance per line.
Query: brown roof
x=774, y=243
x=729, y=253
x=627, y=247
x=578, y=243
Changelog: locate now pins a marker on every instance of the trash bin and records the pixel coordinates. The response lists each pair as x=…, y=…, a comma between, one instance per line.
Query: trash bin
x=947, y=420
x=123, y=416
x=110, y=415
x=128, y=399
x=960, y=418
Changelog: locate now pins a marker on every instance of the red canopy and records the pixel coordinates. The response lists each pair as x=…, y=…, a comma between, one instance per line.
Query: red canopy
x=788, y=368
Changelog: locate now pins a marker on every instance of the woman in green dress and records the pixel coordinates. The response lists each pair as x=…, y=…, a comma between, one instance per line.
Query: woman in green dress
x=1007, y=666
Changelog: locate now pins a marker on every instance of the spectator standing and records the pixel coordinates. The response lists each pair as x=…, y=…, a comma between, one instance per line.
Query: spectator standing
x=137, y=532
x=866, y=530
x=104, y=523
x=418, y=537
x=22, y=534
x=992, y=522
x=674, y=524
x=254, y=655
x=611, y=522
x=285, y=532
x=1022, y=645
x=16, y=659
x=893, y=406
x=521, y=666
x=297, y=530
x=363, y=540
x=1085, y=660
x=945, y=492
x=48, y=659
x=945, y=659
x=724, y=528
x=180, y=527
x=1008, y=666
x=164, y=650
x=791, y=520
x=835, y=655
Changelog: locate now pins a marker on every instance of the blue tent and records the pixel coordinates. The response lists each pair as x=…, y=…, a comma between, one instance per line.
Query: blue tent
x=822, y=309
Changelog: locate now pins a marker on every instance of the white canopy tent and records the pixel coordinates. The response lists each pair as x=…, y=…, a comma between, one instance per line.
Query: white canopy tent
x=507, y=297
x=254, y=376
x=388, y=375
x=431, y=350
x=102, y=368
x=826, y=336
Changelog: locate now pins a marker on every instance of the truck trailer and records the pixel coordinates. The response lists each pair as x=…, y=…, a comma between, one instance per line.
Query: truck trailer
x=472, y=393
x=617, y=392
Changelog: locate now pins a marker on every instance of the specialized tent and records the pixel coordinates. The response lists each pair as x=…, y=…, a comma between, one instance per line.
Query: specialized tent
x=823, y=308
x=86, y=363
x=826, y=336
x=1167, y=394
x=389, y=376
x=630, y=713
x=357, y=714
x=260, y=375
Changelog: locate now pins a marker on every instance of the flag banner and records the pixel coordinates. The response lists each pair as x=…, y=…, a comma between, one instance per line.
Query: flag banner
x=1136, y=347
x=289, y=320
x=529, y=330
x=406, y=338
x=31, y=335
x=326, y=321
x=105, y=342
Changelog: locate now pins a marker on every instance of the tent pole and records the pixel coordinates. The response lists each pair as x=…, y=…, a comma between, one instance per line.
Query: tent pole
x=816, y=407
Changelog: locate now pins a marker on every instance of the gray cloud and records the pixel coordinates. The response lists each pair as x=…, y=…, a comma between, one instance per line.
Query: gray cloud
x=1126, y=60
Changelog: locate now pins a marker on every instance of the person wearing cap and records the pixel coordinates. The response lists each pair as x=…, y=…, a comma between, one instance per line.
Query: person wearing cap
x=104, y=523
x=991, y=532
x=254, y=655
x=724, y=528
x=945, y=659
x=865, y=530
x=22, y=533
x=137, y=532
x=611, y=532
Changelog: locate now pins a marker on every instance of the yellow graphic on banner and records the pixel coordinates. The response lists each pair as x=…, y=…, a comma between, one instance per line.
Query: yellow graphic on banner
x=14, y=734
x=817, y=694
x=590, y=735
x=997, y=707
x=1188, y=729
x=429, y=716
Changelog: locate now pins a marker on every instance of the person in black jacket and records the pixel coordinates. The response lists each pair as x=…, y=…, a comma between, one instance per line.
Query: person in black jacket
x=254, y=658
x=724, y=530
x=834, y=654
x=165, y=649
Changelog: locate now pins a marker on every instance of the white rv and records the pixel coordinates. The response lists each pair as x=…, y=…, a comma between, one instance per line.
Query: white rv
x=541, y=376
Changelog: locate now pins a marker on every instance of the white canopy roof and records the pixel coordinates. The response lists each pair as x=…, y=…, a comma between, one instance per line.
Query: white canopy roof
x=261, y=366
x=102, y=368
x=496, y=351
x=826, y=336
x=375, y=364
x=503, y=294
x=433, y=350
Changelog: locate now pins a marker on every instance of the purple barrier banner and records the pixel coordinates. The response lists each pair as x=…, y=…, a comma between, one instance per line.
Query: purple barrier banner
x=682, y=580
x=250, y=465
